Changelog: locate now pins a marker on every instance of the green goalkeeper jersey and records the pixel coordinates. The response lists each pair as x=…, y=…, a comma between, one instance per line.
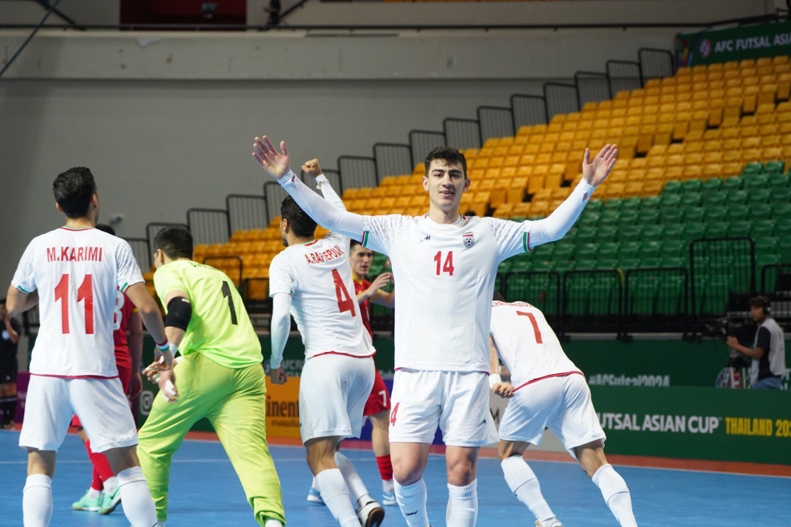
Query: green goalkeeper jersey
x=220, y=328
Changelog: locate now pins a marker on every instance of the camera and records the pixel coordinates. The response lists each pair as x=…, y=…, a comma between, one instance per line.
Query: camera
x=743, y=328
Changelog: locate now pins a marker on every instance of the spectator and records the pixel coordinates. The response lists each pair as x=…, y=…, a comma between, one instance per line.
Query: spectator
x=273, y=9
x=768, y=353
x=8, y=367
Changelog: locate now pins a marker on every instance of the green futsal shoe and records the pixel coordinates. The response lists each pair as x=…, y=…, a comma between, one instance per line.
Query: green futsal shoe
x=88, y=504
x=110, y=501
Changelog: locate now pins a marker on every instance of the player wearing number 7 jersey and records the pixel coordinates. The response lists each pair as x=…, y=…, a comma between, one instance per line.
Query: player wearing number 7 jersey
x=312, y=280
x=445, y=267
x=73, y=273
x=219, y=376
x=547, y=391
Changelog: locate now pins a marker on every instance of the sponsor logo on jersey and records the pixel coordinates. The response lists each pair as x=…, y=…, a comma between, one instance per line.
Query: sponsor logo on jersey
x=468, y=239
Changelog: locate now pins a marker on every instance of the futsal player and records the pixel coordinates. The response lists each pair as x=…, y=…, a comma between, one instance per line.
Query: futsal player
x=445, y=265
x=546, y=390
x=103, y=495
x=73, y=273
x=219, y=376
x=377, y=407
x=311, y=280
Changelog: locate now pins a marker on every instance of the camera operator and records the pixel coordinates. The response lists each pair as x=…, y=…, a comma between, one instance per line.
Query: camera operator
x=768, y=352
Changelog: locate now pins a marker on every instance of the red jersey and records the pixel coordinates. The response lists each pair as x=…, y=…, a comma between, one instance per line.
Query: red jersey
x=123, y=312
x=359, y=286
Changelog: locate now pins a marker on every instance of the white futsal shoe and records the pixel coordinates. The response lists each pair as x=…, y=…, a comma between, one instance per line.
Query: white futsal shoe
x=371, y=514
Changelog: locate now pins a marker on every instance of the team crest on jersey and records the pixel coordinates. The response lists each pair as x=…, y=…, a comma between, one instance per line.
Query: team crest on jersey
x=468, y=239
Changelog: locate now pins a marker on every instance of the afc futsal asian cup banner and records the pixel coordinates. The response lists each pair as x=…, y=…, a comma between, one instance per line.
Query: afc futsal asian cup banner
x=723, y=45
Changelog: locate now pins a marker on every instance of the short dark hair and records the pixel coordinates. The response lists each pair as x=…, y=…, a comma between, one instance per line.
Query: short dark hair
x=498, y=297
x=73, y=191
x=449, y=155
x=105, y=228
x=760, y=301
x=301, y=224
x=174, y=241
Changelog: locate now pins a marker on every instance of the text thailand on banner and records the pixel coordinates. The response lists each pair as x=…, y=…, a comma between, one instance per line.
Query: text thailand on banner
x=751, y=426
x=752, y=42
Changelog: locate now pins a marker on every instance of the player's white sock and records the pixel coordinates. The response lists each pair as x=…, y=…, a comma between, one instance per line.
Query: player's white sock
x=412, y=502
x=387, y=486
x=273, y=523
x=335, y=494
x=138, y=506
x=616, y=494
x=524, y=483
x=315, y=483
x=353, y=479
x=37, y=501
x=462, y=507
x=110, y=484
x=94, y=493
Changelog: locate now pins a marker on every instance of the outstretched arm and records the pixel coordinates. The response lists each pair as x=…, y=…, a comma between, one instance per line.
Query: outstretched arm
x=313, y=168
x=557, y=224
x=279, y=330
x=276, y=165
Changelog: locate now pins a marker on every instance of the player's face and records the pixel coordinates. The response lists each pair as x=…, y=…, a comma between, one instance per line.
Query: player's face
x=756, y=313
x=445, y=184
x=360, y=260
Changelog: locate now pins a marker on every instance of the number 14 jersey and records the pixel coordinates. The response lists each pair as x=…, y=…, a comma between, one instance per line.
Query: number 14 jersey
x=444, y=277
x=318, y=277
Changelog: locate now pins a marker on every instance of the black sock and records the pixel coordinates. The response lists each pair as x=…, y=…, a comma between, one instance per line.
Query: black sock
x=11, y=401
x=4, y=410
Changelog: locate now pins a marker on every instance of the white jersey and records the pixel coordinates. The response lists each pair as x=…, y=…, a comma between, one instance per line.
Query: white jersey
x=77, y=273
x=445, y=277
x=318, y=277
x=526, y=343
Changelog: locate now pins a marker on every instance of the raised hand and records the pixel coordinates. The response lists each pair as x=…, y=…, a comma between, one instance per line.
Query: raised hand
x=312, y=168
x=274, y=162
x=595, y=172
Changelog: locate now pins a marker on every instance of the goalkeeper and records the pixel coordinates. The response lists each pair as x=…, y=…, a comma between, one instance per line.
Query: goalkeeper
x=219, y=377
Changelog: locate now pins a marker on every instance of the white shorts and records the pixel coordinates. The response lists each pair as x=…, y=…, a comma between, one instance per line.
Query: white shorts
x=562, y=404
x=457, y=402
x=100, y=404
x=332, y=394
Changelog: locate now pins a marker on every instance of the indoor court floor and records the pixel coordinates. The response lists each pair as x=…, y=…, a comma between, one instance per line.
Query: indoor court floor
x=205, y=491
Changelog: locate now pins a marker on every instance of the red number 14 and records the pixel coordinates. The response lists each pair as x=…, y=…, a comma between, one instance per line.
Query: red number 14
x=447, y=267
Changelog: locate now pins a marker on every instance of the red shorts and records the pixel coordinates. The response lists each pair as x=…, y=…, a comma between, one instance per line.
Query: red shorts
x=125, y=374
x=379, y=399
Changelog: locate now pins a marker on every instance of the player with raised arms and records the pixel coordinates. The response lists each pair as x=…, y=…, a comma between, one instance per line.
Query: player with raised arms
x=73, y=274
x=311, y=280
x=220, y=375
x=546, y=390
x=445, y=266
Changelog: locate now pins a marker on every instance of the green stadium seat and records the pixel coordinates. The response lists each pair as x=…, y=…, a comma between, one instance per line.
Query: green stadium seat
x=674, y=232
x=763, y=260
x=628, y=217
x=783, y=210
x=589, y=219
x=783, y=226
x=672, y=216
x=694, y=214
x=742, y=228
x=595, y=205
x=774, y=167
x=571, y=236
x=653, y=232
x=674, y=261
x=784, y=249
x=522, y=265
x=652, y=202
x=692, y=186
x=781, y=195
x=670, y=200
x=715, y=199
x=544, y=251
x=763, y=228
x=610, y=217
x=630, y=233
x=608, y=250
x=629, y=263
x=587, y=236
x=541, y=265
x=629, y=249
x=692, y=199
x=712, y=185
x=585, y=264
x=739, y=212
x=672, y=187
x=586, y=251
x=718, y=214
x=733, y=183
x=564, y=252
x=694, y=231
x=761, y=210
x=716, y=230
x=779, y=180
x=675, y=246
x=565, y=265
x=650, y=262
x=607, y=233
x=518, y=218
x=607, y=263
x=651, y=249
x=613, y=204
x=505, y=266
x=757, y=181
x=738, y=197
x=751, y=169
x=633, y=203
x=760, y=195
x=765, y=244
x=649, y=217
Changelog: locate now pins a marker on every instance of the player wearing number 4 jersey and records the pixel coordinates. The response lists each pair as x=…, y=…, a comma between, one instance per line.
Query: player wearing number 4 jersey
x=445, y=267
x=218, y=376
x=546, y=390
x=73, y=273
x=312, y=280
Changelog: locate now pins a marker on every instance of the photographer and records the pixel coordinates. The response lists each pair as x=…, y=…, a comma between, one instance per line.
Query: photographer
x=768, y=351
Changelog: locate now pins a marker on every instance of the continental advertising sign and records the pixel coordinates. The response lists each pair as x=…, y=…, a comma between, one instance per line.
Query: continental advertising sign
x=696, y=423
x=282, y=408
x=752, y=42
